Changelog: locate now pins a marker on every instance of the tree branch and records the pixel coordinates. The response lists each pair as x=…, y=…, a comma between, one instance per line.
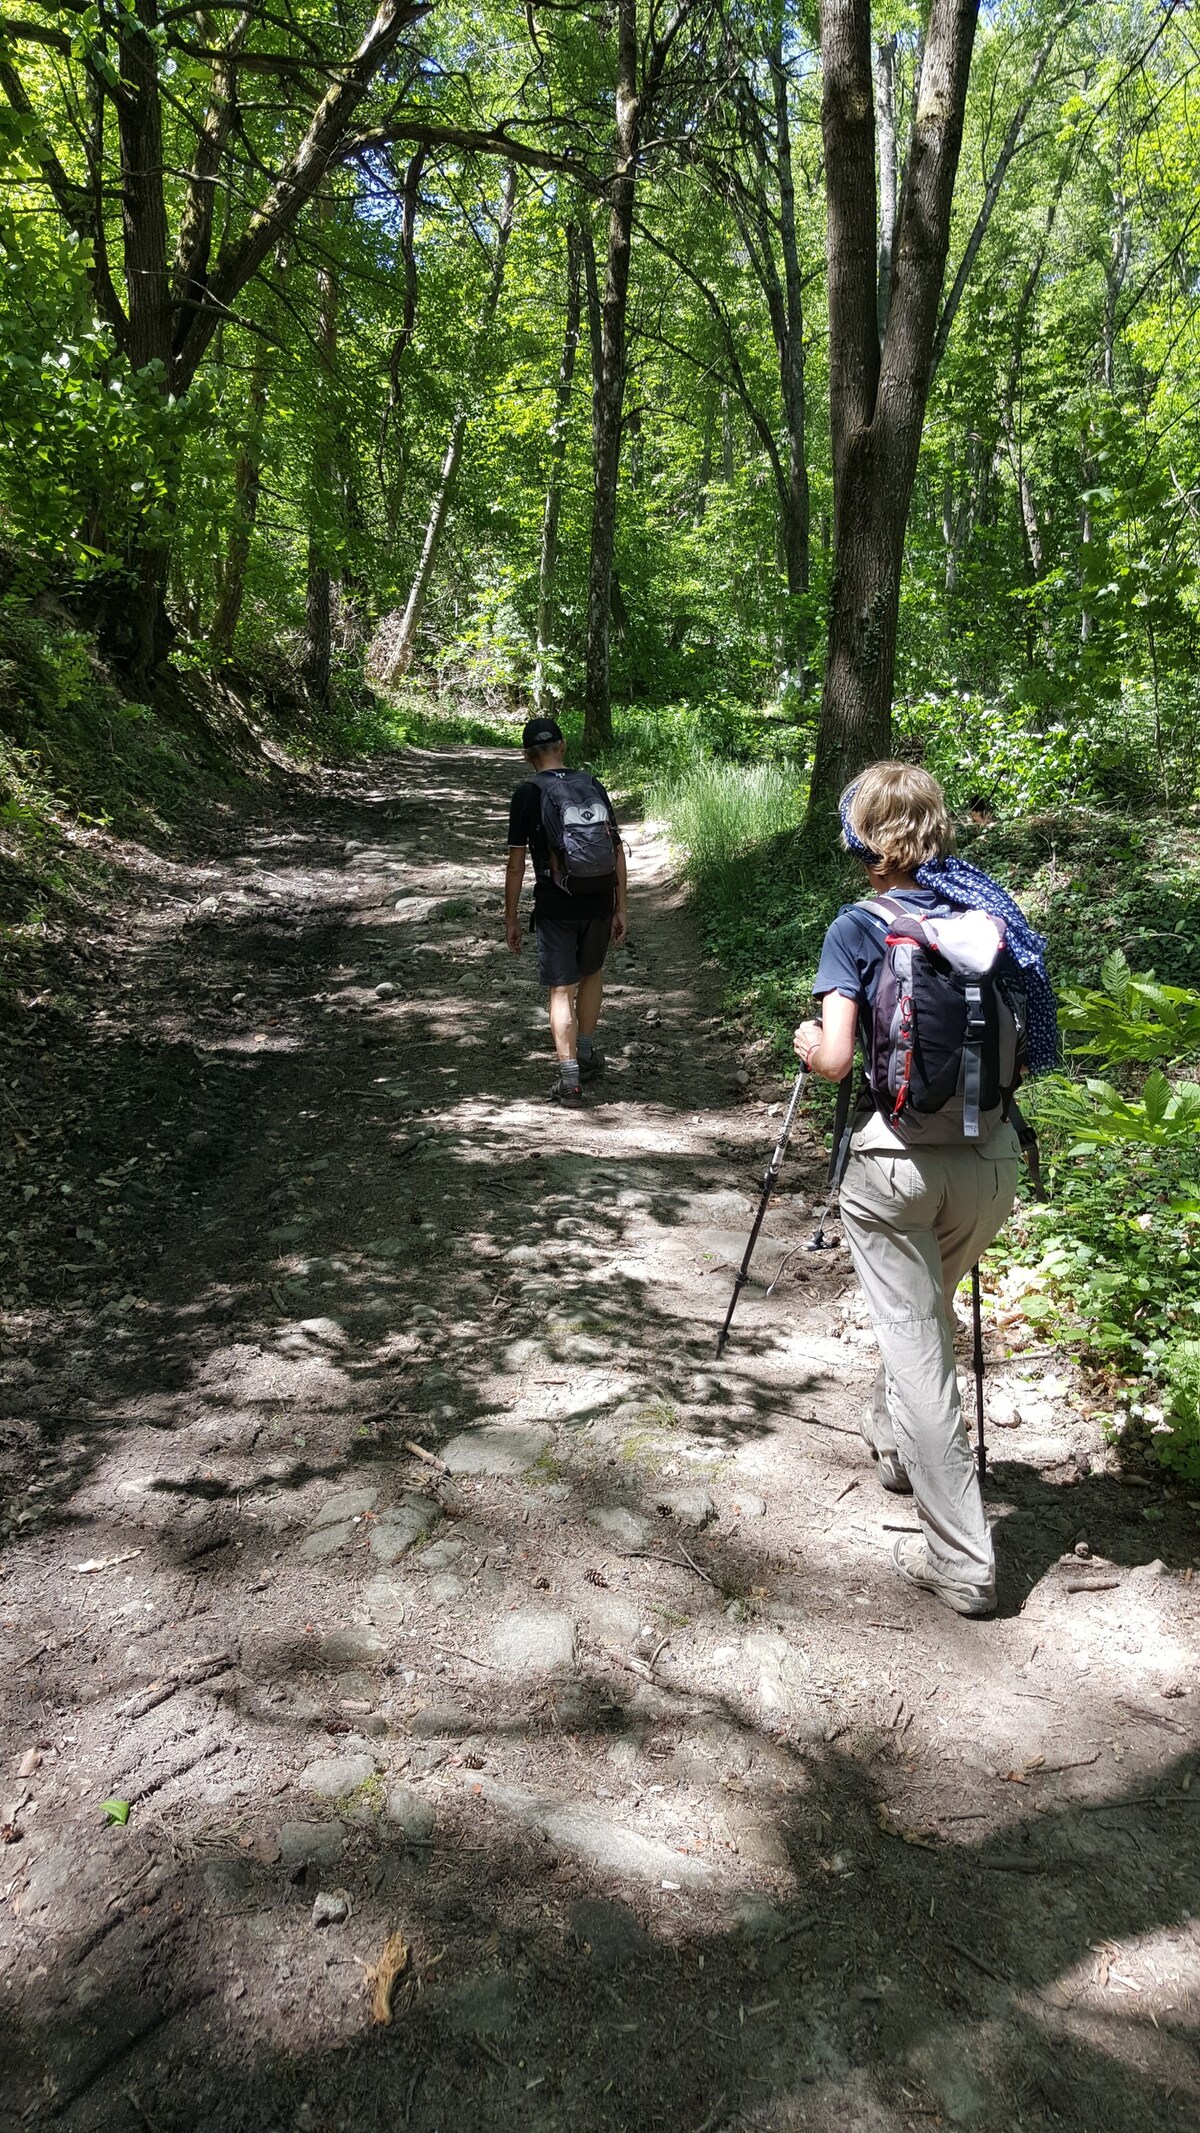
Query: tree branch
x=1010, y=147
x=299, y=180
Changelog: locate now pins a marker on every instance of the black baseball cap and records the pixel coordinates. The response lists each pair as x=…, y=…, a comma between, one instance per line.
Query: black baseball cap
x=540, y=733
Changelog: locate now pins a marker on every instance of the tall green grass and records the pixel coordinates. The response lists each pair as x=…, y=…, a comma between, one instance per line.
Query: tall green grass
x=718, y=812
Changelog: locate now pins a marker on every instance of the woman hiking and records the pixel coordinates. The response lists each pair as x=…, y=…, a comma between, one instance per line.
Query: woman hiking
x=929, y=1177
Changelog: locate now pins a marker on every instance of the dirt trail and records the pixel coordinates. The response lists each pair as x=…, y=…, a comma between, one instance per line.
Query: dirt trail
x=689, y=1814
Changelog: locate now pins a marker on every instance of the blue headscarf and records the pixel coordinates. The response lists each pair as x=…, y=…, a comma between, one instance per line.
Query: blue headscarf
x=968, y=888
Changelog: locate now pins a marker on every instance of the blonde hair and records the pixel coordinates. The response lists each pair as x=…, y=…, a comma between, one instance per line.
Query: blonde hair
x=900, y=812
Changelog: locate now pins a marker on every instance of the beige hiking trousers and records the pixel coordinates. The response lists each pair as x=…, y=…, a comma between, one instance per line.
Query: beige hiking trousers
x=915, y=1222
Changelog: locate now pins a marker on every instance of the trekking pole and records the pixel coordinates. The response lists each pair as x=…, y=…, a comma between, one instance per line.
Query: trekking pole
x=773, y=1169
x=981, y=1453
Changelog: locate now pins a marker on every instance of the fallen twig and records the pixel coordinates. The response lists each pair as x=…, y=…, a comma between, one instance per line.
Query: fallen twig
x=1135, y=1710
x=453, y=1652
x=1000, y=1865
x=690, y=1560
x=1137, y=1799
x=655, y=1555
x=635, y=1666
x=190, y=1676
x=969, y=1956
x=431, y=1458
x=1092, y=1584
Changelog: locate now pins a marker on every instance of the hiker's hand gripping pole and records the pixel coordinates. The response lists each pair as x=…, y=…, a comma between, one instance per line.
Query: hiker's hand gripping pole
x=769, y=1182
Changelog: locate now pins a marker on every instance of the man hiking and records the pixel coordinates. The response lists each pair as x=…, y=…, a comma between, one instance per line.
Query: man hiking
x=943, y=980
x=565, y=819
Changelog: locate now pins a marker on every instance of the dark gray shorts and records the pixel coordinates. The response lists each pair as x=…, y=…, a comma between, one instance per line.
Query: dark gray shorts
x=571, y=948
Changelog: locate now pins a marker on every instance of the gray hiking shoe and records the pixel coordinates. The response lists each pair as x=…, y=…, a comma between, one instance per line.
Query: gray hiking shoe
x=877, y=1420
x=589, y=1068
x=569, y=1095
x=916, y=1566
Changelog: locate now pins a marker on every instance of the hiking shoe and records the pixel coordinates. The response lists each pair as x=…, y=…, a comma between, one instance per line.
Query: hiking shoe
x=916, y=1566
x=589, y=1068
x=891, y=1472
x=570, y=1096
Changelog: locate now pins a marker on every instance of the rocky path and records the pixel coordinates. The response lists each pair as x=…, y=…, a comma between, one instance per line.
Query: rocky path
x=379, y=1530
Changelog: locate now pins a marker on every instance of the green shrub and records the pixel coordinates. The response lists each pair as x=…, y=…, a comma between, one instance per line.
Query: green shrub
x=1113, y=1261
x=1176, y=1439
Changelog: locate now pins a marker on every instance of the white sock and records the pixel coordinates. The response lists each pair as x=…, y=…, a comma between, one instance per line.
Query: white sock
x=569, y=1068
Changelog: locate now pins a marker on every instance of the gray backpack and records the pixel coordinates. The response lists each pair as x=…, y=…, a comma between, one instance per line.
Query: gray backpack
x=579, y=831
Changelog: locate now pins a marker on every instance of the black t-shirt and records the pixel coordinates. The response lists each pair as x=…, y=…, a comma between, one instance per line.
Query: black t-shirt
x=525, y=827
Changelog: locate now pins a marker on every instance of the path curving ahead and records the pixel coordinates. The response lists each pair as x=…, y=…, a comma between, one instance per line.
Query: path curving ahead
x=380, y=1529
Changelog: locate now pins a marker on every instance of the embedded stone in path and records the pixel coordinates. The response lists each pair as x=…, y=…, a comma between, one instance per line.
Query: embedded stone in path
x=607, y=1932
x=449, y=1720
x=594, y=1836
x=441, y=1555
x=385, y=1602
x=311, y=1844
x=353, y=1647
x=410, y=1812
x=323, y=1541
x=747, y=1505
x=396, y=1531
x=496, y=1449
x=755, y=1917
x=535, y=1641
x=444, y=1588
x=346, y=1504
x=619, y=1524
x=331, y=1777
x=691, y=1506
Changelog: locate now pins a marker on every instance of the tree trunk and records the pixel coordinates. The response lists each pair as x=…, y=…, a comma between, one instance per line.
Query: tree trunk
x=610, y=393
x=878, y=394
x=1010, y=147
x=137, y=630
x=391, y=430
x=247, y=474
x=393, y=662
x=704, y=476
x=960, y=512
x=316, y=664
x=548, y=567
x=796, y=509
x=247, y=482
x=885, y=78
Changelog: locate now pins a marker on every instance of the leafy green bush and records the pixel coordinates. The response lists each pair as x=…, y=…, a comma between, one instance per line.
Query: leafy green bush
x=1128, y=1017
x=1113, y=1262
